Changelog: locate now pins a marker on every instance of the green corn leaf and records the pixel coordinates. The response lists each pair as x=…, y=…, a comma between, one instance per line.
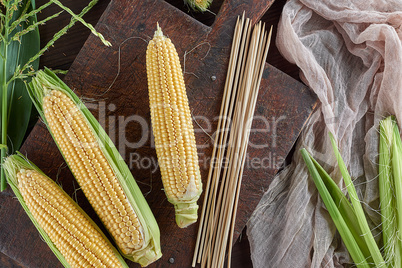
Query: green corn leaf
x=345, y=208
x=16, y=105
x=334, y=211
x=358, y=209
x=19, y=110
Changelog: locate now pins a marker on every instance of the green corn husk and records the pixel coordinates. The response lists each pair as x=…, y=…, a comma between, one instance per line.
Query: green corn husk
x=348, y=216
x=385, y=181
x=344, y=207
x=397, y=176
x=12, y=165
x=198, y=5
x=389, y=171
x=45, y=82
x=337, y=211
x=358, y=209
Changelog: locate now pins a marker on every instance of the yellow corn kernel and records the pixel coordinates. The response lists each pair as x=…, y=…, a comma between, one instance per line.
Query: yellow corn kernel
x=59, y=218
x=173, y=129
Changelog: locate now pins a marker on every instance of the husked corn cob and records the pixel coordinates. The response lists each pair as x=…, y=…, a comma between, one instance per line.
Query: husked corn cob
x=101, y=173
x=173, y=129
x=69, y=232
x=92, y=170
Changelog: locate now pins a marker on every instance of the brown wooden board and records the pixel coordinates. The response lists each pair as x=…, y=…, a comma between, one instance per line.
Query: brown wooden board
x=283, y=107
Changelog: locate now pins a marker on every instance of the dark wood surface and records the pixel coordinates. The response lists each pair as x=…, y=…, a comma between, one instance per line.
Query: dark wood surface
x=283, y=100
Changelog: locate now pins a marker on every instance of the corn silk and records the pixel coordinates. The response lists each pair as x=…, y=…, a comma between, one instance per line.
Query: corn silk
x=350, y=55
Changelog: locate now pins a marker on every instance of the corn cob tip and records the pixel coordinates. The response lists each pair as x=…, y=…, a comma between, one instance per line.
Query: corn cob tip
x=199, y=5
x=158, y=32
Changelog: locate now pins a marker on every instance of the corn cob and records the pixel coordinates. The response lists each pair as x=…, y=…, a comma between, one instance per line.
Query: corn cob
x=198, y=5
x=99, y=169
x=173, y=129
x=69, y=232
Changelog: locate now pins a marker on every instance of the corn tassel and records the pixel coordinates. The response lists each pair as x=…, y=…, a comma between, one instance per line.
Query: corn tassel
x=173, y=129
x=99, y=169
x=72, y=236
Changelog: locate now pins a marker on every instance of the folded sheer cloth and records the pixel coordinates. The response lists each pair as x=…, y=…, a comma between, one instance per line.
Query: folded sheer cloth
x=350, y=55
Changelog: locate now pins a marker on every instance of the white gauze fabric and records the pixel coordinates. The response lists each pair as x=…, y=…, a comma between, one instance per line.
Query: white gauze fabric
x=350, y=55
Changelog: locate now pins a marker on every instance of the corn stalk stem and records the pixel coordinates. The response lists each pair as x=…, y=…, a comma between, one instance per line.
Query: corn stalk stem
x=4, y=111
